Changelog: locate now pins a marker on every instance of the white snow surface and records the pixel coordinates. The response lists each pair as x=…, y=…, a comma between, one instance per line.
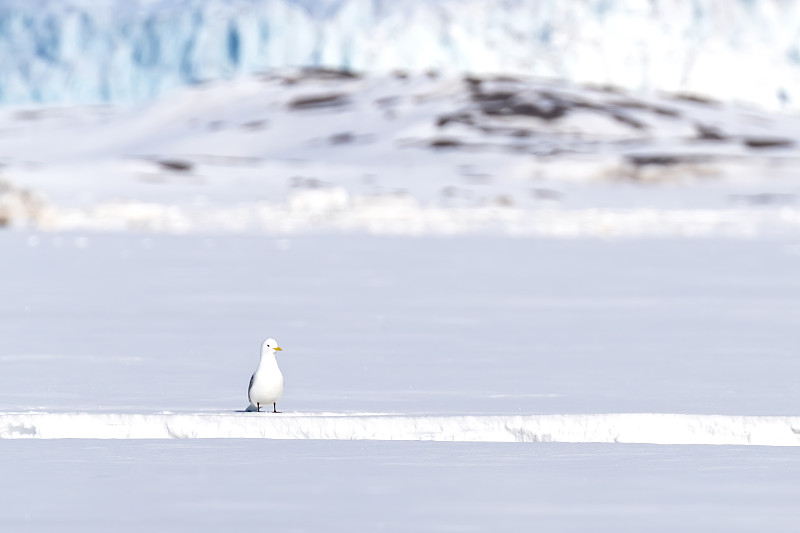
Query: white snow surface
x=465, y=326
x=122, y=50
x=641, y=428
x=212, y=485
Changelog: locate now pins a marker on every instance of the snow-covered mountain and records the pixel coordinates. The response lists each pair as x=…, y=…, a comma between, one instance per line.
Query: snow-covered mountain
x=311, y=150
x=86, y=51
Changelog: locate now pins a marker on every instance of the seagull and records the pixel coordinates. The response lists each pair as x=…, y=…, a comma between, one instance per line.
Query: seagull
x=266, y=385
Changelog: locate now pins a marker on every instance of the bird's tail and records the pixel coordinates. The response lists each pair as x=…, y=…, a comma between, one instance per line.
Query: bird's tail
x=251, y=407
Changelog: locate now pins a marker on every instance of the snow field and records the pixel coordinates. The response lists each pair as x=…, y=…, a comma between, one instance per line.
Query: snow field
x=137, y=324
x=214, y=485
x=463, y=335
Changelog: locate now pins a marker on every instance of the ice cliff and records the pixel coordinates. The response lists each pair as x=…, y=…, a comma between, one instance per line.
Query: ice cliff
x=64, y=51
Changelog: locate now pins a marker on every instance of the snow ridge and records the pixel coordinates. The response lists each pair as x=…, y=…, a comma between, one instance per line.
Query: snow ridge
x=648, y=428
x=115, y=50
x=404, y=216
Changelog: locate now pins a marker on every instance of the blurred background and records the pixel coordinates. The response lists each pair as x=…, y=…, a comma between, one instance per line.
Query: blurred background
x=453, y=116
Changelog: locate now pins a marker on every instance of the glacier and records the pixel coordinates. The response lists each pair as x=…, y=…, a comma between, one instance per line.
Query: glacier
x=115, y=51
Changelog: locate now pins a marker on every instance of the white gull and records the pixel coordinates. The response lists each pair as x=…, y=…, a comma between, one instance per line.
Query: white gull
x=266, y=384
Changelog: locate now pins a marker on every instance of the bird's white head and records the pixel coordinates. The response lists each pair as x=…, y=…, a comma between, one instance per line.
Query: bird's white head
x=270, y=346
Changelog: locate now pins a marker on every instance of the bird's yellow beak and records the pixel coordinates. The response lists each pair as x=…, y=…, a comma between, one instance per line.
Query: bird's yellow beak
x=278, y=348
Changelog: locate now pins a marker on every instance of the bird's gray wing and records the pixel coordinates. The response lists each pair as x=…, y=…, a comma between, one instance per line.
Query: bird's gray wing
x=250, y=387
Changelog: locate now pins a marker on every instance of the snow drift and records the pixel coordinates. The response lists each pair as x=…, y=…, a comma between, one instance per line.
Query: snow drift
x=366, y=215
x=576, y=428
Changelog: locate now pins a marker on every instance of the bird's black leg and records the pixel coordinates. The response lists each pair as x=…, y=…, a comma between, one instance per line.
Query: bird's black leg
x=258, y=407
x=275, y=407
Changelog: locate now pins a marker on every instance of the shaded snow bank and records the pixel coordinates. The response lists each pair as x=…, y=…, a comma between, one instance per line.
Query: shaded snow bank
x=409, y=218
x=576, y=428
